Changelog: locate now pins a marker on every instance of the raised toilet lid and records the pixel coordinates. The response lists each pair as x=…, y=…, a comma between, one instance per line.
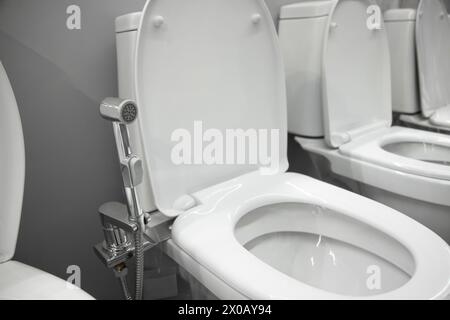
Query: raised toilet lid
x=12, y=168
x=433, y=48
x=214, y=61
x=357, y=79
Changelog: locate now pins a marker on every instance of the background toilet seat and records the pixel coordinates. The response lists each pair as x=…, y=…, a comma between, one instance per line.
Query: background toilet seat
x=206, y=234
x=372, y=148
x=441, y=117
x=418, y=121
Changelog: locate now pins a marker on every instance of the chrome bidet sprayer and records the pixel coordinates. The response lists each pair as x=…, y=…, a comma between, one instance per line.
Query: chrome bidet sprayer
x=123, y=113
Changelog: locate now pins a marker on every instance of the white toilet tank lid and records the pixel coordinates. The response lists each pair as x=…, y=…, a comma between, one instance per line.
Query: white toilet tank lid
x=357, y=78
x=204, y=67
x=128, y=22
x=398, y=15
x=306, y=10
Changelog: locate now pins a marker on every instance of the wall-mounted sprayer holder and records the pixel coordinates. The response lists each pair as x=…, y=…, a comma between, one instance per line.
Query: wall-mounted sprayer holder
x=128, y=230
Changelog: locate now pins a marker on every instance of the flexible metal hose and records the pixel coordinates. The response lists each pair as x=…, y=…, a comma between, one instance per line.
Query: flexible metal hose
x=139, y=254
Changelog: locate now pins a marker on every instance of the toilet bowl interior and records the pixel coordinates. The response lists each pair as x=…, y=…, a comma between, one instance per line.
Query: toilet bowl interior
x=326, y=249
x=428, y=152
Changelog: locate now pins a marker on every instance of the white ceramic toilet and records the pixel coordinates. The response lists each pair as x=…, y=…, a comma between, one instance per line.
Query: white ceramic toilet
x=421, y=95
x=403, y=168
x=240, y=233
x=17, y=280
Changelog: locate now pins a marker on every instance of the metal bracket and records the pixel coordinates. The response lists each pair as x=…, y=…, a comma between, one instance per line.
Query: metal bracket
x=158, y=227
x=112, y=259
x=115, y=220
x=116, y=214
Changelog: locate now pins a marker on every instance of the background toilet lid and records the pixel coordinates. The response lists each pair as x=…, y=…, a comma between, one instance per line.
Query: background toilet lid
x=357, y=89
x=433, y=53
x=214, y=61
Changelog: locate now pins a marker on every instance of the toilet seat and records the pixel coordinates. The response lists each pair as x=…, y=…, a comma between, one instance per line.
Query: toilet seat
x=207, y=235
x=19, y=281
x=357, y=107
x=22, y=282
x=372, y=148
x=441, y=117
x=405, y=169
x=218, y=71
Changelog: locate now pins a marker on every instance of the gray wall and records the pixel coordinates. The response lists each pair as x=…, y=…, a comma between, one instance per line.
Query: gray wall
x=59, y=78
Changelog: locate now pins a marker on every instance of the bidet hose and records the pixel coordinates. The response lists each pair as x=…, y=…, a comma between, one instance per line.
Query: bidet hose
x=139, y=254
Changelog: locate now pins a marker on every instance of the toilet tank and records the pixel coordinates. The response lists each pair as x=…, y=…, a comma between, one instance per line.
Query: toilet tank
x=301, y=30
x=126, y=37
x=400, y=26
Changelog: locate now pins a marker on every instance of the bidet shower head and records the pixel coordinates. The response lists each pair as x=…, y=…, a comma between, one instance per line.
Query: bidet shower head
x=119, y=110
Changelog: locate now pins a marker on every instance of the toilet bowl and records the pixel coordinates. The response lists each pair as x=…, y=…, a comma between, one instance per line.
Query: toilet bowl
x=421, y=96
x=241, y=232
x=17, y=280
x=403, y=168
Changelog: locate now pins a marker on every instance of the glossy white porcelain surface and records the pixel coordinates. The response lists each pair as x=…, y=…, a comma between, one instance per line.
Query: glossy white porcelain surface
x=426, y=157
x=426, y=35
x=242, y=218
x=401, y=30
x=306, y=9
x=422, y=198
x=421, y=151
x=400, y=15
x=12, y=168
x=404, y=162
x=327, y=263
x=418, y=121
x=236, y=214
x=128, y=22
x=432, y=215
x=356, y=77
x=433, y=47
x=441, y=117
x=21, y=282
x=228, y=74
x=126, y=35
x=300, y=29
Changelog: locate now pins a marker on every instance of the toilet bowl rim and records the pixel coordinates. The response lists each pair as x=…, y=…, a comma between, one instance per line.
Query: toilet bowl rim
x=405, y=135
x=370, y=148
x=208, y=237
